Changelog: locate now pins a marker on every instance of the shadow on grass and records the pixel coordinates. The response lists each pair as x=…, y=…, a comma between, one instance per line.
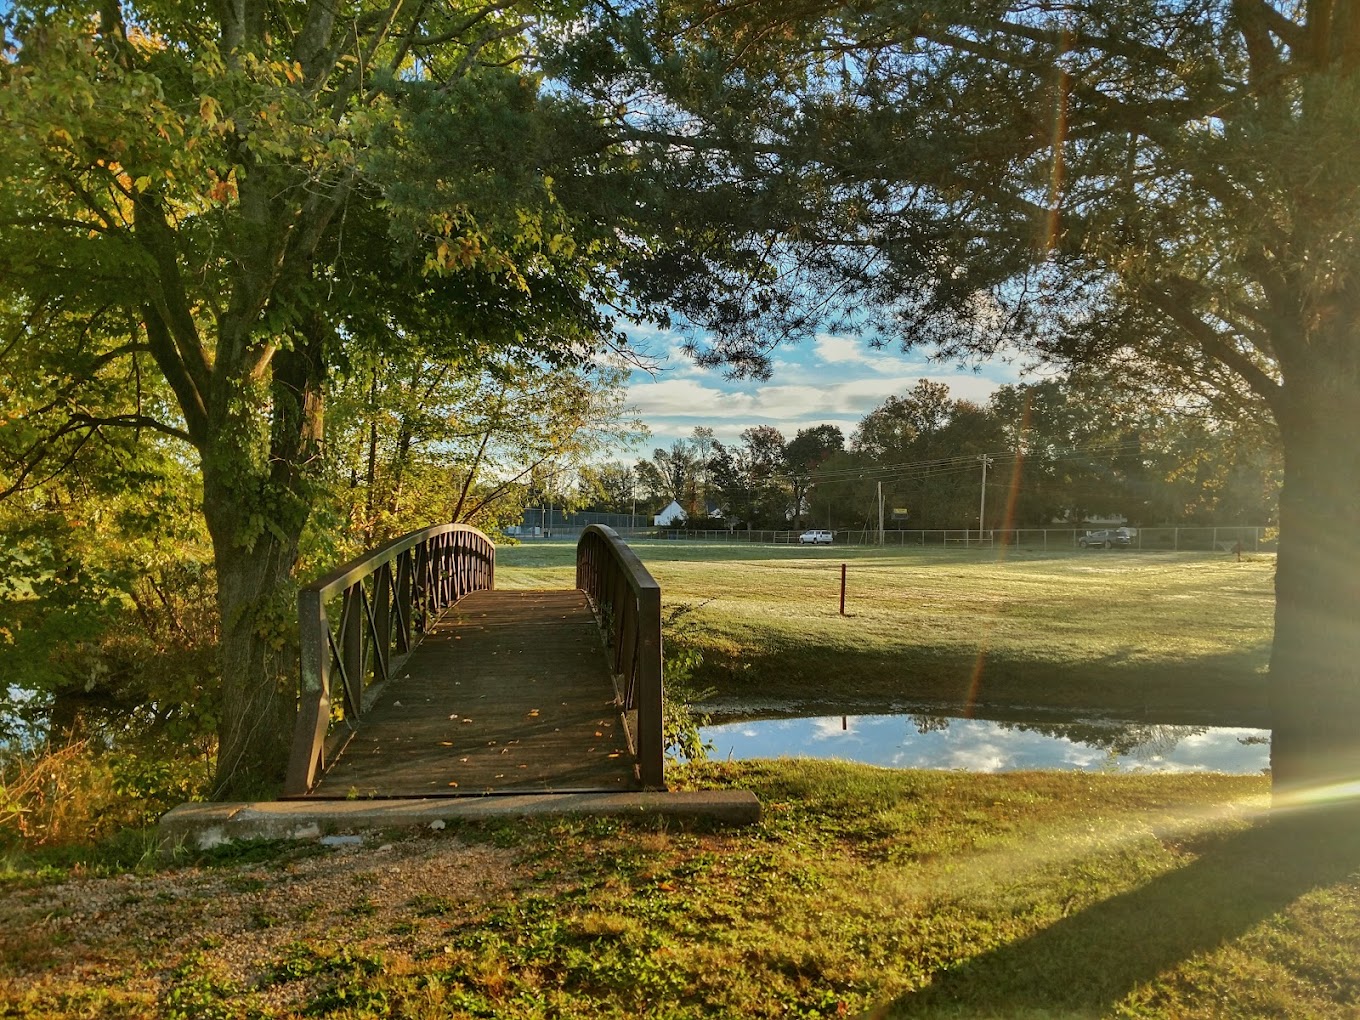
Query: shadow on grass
x=1086, y=963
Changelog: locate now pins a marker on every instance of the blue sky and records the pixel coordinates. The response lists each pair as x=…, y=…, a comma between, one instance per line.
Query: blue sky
x=830, y=379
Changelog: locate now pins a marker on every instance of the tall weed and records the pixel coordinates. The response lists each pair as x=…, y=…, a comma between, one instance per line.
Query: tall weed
x=57, y=796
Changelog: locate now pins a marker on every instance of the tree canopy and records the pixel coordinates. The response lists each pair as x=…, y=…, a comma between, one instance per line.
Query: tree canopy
x=210, y=216
x=1163, y=186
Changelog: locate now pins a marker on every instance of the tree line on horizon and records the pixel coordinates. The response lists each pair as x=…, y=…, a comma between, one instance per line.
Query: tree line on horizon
x=1059, y=451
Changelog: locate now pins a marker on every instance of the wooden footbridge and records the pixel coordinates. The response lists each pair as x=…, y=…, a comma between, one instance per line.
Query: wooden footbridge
x=419, y=679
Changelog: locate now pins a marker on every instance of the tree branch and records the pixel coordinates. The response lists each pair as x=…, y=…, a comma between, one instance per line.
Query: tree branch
x=192, y=400
x=1214, y=344
x=131, y=421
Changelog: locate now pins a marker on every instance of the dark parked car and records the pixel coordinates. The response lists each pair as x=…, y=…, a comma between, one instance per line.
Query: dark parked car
x=1118, y=537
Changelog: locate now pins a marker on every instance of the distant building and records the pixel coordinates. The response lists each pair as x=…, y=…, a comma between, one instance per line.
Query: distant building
x=1105, y=520
x=674, y=513
x=1070, y=520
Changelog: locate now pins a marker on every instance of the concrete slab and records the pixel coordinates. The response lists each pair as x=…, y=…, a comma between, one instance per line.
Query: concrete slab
x=207, y=825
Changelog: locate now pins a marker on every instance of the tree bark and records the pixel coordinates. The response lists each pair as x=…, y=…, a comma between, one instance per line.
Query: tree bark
x=1315, y=660
x=256, y=508
x=259, y=666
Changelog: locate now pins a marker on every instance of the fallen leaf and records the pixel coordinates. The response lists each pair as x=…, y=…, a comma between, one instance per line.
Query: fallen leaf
x=452, y=783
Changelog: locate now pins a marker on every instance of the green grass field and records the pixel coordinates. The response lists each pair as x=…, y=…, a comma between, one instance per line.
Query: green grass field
x=1156, y=636
x=862, y=892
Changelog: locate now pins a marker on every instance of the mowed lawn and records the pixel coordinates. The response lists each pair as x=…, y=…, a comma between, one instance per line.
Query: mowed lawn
x=1162, y=636
x=862, y=892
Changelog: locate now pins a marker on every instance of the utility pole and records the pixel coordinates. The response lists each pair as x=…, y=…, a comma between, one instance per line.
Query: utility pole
x=982, y=505
x=547, y=527
x=880, y=513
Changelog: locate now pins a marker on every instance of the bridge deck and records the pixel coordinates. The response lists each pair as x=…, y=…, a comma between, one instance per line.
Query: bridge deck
x=509, y=692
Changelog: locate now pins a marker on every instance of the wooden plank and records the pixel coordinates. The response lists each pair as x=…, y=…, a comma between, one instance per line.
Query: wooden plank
x=510, y=691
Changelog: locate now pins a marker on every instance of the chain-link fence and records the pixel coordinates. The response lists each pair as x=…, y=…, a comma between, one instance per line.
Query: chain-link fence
x=1175, y=539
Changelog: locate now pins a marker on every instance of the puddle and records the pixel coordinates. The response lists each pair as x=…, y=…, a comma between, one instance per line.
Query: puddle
x=976, y=745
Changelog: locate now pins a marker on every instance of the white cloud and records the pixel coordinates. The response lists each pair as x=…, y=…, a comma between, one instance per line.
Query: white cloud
x=686, y=398
x=833, y=380
x=673, y=406
x=842, y=350
x=830, y=728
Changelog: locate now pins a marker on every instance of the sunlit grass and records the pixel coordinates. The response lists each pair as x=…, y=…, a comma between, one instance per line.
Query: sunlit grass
x=1164, y=636
x=863, y=891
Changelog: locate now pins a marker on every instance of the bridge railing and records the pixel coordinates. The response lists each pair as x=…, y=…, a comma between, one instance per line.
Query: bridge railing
x=386, y=600
x=628, y=601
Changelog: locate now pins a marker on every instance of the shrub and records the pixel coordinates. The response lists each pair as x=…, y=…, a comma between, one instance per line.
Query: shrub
x=55, y=796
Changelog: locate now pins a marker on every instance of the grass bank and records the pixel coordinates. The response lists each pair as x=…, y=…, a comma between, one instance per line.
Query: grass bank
x=863, y=892
x=1155, y=636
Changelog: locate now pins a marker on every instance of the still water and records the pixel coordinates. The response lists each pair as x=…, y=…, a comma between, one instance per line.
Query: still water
x=976, y=745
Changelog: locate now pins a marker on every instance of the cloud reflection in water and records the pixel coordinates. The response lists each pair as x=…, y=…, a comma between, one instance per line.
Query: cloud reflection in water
x=975, y=745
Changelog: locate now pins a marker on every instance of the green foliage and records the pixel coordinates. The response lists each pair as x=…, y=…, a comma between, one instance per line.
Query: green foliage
x=680, y=724
x=112, y=617
x=208, y=225
x=342, y=980
x=427, y=438
x=199, y=993
x=236, y=853
x=76, y=794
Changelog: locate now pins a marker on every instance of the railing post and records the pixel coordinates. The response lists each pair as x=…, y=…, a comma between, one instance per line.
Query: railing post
x=617, y=596
x=626, y=639
x=352, y=650
x=314, y=703
x=651, y=764
x=382, y=620
x=464, y=567
x=420, y=587
x=404, y=601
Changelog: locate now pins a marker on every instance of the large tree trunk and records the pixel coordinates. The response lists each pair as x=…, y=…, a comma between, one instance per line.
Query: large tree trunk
x=1315, y=661
x=256, y=504
x=257, y=654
